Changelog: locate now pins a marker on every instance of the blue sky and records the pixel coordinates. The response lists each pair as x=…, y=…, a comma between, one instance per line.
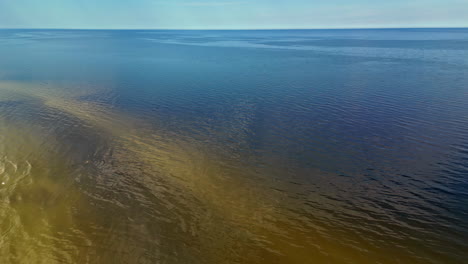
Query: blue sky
x=231, y=14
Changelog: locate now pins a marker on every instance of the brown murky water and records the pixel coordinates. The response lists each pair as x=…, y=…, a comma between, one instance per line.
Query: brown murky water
x=87, y=177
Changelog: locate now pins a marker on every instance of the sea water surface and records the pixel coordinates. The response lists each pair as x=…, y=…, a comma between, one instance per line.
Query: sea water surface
x=299, y=146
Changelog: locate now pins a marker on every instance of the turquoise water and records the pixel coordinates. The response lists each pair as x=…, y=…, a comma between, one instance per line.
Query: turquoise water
x=300, y=146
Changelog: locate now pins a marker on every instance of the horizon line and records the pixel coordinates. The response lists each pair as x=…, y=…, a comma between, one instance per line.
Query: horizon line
x=231, y=29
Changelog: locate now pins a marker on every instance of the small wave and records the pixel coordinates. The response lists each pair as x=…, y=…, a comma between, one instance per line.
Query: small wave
x=12, y=173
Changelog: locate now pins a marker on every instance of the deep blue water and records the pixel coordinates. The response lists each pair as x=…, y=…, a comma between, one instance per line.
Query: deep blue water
x=290, y=146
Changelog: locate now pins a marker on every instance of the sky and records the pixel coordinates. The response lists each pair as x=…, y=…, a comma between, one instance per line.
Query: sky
x=232, y=14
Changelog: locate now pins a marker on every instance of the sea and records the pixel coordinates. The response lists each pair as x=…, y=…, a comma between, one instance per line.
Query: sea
x=254, y=146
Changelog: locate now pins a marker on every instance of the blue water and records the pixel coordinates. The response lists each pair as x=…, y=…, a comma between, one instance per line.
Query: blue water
x=292, y=146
